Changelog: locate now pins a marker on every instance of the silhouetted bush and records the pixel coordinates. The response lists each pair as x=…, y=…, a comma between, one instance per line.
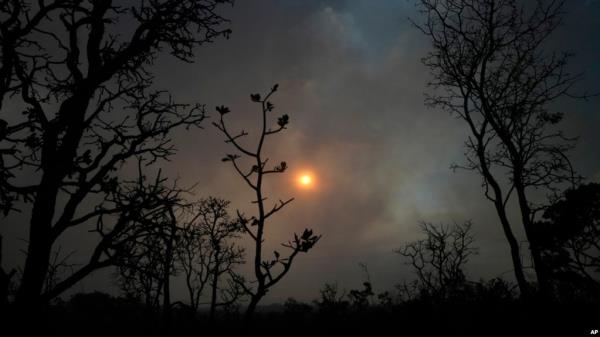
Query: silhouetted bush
x=294, y=308
x=332, y=300
x=360, y=298
x=438, y=261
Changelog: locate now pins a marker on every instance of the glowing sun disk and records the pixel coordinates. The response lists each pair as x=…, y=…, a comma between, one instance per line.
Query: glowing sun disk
x=305, y=180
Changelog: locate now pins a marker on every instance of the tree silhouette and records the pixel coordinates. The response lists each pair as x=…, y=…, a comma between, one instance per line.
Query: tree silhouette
x=141, y=273
x=193, y=239
x=569, y=238
x=267, y=272
x=192, y=255
x=489, y=68
x=332, y=299
x=362, y=298
x=208, y=254
x=440, y=258
x=88, y=107
x=144, y=250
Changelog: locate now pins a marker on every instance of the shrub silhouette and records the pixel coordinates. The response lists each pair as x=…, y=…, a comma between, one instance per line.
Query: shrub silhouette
x=439, y=260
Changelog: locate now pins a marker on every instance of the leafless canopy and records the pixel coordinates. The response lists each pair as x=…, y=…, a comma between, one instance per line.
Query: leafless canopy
x=492, y=69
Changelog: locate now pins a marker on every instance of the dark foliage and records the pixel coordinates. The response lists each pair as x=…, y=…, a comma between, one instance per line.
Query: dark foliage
x=569, y=237
x=482, y=309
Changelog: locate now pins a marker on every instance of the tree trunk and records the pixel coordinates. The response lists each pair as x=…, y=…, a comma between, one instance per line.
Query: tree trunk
x=40, y=243
x=251, y=308
x=515, y=253
x=166, y=281
x=56, y=162
x=4, y=283
x=538, y=265
x=214, y=286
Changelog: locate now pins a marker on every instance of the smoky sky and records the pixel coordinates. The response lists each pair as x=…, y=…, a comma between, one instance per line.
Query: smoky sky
x=350, y=78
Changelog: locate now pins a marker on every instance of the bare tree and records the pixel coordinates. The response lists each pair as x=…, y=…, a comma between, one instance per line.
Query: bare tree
x=141, y=274
x=208, y=253
x=440, y=258
x=138, y=202
x=192, y=257
x=267, y=272
x=145, y=248
x=89, y=107
x=489, y=69
x=145, y=257
x=224, y=255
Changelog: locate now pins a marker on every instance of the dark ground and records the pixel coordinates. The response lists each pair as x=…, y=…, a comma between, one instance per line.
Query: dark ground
x=99, y=314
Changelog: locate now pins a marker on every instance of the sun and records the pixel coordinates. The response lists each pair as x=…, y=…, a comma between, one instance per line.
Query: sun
x=305, y=180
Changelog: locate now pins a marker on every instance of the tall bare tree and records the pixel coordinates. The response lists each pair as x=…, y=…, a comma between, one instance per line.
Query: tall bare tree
x=489, y=69
x=267, y=272
x=224, y=254
x=80, y=72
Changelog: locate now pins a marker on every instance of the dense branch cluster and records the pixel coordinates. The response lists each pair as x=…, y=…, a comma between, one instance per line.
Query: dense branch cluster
x=208, y=253
x=195, y=240
x=79, y=73
x=440, y=258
